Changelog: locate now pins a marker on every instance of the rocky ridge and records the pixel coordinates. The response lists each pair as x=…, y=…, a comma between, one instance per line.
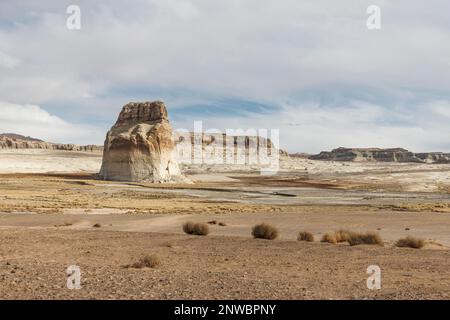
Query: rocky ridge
x=384, y=155
x=16, y=141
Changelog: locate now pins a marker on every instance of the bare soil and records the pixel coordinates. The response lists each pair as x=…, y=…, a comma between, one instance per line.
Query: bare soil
x=47, y=224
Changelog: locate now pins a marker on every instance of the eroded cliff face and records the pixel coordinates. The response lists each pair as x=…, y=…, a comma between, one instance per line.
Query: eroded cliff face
x=218, y=148
x=140, y=146
x=16, y=141
x=384, y=155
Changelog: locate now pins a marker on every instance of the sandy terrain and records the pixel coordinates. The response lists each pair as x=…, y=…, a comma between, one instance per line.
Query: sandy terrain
x=44, y=161
x=47, y=219
x=33, y=266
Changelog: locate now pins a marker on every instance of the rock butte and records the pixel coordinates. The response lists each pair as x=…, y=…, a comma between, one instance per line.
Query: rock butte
x=140, y=146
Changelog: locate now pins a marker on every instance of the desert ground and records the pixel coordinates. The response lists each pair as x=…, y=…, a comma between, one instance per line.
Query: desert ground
x=55, y=212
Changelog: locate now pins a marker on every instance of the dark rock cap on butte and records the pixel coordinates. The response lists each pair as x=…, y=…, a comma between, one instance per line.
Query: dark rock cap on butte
x=142, y=112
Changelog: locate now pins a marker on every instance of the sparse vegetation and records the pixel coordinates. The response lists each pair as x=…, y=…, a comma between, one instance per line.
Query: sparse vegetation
x=65, y=224
x=264, y=231
x=198, y=229
x=97, y=225
x=342, y=235
x=305, y=236
x=215, y=222
x=357, y=238
x=353, y=238
x=410, y=242
x=148, y=261
x=329, y=238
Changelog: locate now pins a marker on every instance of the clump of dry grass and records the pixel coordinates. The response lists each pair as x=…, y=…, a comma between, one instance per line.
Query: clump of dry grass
x=198, y=229
x=65, y=224
x=336, y=236
x=148, y=261
x=97, y=225
x=215, y=222
x=305, y=236
x=329, y=238
x=342, y=235
x=357, y=238
x=410, y=242
x=264, y=231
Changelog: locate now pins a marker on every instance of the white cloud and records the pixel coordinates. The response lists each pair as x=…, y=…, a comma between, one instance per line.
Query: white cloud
x=6, y=61
x=257, y=50
x=314, y=128
x=440, y=108
x=31, y=120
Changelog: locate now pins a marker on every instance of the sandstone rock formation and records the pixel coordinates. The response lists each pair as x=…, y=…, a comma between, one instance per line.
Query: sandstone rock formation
x=16, y=141
x=215, y=146
x=385, y=155
x=140, y=146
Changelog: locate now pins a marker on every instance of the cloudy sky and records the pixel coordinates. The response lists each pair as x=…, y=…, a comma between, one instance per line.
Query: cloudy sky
x=311, y=69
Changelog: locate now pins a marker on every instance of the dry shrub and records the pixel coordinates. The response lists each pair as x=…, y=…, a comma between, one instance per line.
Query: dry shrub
x=222, y=224
x=264, y=231
x=305, y=236
x=212, y=222
x=329, y=237
x=97, y=225
x=198, y=229
x=410, y=242
x=65, y=224
x=342, y=235
x=357, y=238
x=148, y=261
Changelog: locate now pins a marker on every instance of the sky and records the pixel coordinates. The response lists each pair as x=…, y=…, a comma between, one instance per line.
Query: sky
x=311, y=69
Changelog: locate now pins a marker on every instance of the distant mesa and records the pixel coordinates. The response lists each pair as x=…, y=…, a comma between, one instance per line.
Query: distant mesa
x=17, y=141
x=140, y=146
x=215, y=145
x=383, y=155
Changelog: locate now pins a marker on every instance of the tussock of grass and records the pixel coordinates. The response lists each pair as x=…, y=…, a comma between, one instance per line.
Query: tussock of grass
x=198, y=229
x=353, y=238
x=342, y=235
x=329, y=238
x=97, y=225
x=305, y=236
x=215, y=222
x=357, y=238
x=410, y=242
x=148, y=261
x=264, y=231
x=65, y=224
